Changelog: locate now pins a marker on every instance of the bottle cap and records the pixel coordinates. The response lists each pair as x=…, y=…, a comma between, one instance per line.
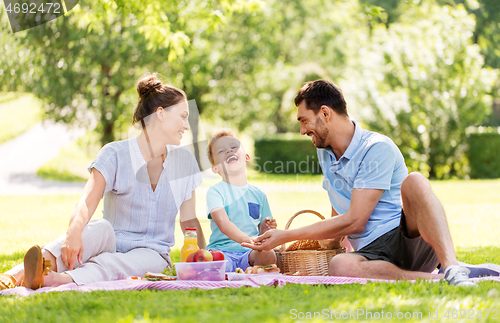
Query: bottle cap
x=190, y=229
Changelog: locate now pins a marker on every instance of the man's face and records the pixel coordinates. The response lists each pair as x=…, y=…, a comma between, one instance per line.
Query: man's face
x=312, y=125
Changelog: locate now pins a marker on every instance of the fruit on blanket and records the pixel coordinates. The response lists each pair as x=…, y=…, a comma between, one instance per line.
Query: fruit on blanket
x=187, y=273
x=203, y=255
x=190, y=258
x=217, y=255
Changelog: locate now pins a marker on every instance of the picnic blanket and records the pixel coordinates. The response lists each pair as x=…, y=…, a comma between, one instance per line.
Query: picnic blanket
x=257, y=281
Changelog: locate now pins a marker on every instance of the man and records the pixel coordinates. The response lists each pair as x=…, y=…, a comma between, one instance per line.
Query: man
x=394, y=220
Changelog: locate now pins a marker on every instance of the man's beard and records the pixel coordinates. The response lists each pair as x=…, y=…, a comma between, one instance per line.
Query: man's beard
x=321, y=133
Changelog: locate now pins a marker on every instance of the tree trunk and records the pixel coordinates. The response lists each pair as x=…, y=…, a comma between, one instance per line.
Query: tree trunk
x=107, y=131
x=278, y=119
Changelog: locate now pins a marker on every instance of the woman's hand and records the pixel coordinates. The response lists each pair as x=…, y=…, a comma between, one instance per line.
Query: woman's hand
x=72, y=250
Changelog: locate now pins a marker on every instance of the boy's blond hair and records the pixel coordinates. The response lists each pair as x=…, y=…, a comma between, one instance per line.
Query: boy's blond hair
x=219, y=134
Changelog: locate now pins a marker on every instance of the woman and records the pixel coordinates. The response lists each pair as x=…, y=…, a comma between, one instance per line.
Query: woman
x=145, y=182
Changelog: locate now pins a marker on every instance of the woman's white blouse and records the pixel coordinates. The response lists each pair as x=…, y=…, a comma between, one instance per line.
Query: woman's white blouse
x=141, y=217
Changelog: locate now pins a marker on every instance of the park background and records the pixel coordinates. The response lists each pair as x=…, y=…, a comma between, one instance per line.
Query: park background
x=425, y=73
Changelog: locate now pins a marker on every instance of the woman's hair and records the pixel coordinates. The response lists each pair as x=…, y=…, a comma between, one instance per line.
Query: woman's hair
x=153, y=94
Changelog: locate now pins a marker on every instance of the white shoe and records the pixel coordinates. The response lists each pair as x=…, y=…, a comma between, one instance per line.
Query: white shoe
x=482, y=270
x=459, y=276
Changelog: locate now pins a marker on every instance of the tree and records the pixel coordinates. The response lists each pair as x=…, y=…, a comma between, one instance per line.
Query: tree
x=487, y=36
x=425, y=84
x=249, y=71
x=84, y=65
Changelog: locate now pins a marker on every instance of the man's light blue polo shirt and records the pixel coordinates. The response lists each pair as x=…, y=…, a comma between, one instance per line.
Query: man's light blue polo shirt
x=371, y=161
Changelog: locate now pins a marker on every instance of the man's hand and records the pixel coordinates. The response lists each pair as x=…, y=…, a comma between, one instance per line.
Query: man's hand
x=72, y=250
x=267, y=241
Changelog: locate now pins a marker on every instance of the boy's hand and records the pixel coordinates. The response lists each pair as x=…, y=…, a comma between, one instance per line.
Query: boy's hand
x=267, y=241
x=269, y=224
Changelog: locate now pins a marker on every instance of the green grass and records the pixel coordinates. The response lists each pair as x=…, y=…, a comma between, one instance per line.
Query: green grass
x=70, y=165
x=18, y=113
x=265, y=304
x=472, y=208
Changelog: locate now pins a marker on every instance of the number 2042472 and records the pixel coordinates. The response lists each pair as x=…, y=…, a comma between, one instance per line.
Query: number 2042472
x=47, y=7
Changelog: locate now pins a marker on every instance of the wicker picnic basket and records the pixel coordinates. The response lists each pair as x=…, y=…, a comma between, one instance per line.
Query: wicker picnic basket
x=313, y=256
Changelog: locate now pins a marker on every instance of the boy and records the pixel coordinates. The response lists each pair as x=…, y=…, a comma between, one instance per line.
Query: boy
x=237, y=210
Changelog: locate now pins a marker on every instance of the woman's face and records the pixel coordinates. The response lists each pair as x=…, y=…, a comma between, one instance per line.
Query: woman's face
x=175, y=122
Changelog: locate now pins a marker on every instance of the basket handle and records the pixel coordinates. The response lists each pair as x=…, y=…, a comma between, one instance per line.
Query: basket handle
x=287, y=226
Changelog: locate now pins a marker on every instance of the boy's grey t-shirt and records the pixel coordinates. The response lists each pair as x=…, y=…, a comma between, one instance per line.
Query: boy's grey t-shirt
x=246, y=206
x=141, y=217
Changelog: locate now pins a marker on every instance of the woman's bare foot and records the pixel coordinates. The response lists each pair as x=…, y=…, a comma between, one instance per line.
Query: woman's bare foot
x=48, y=256
x=19, y=276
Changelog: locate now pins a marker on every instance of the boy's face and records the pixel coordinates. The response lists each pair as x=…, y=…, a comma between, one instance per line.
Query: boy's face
x=228, y=153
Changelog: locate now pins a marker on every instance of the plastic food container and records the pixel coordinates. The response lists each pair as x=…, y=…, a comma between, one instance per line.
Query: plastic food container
x=207, y=270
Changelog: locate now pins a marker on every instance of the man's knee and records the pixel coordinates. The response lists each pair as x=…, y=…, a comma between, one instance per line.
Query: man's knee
x=345, y=265
x=415, y=183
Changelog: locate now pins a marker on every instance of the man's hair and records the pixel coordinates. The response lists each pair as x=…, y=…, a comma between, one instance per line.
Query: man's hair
x=219, y=134
x=321, y=92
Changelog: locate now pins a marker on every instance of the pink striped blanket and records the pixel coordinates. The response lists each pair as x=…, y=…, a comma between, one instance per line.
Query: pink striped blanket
x=256, y=281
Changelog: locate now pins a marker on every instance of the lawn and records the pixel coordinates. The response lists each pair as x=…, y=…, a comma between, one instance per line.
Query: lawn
x=18, y=113
x=70, y=165
x=472, y=208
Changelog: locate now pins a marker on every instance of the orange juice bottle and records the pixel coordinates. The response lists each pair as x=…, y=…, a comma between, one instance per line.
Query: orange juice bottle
x=190, y=243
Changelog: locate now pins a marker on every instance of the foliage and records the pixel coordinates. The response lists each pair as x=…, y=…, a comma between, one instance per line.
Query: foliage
x=487, y=36
x=286, y=154
x=404, y=66
x=84, y=65
x=424, y=83
x=483, y=154
x=261, y=58
x=418, y=72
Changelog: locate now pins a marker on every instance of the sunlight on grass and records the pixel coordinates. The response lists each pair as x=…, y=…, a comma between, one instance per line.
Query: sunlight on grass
x=70, y=165
x=264, y=304
x=27, y=220
x=473, y=219
x=472, y=210
x=18, y=113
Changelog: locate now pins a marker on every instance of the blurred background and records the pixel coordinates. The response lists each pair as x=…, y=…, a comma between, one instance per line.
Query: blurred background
x=423, y=72
x=426, y=73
